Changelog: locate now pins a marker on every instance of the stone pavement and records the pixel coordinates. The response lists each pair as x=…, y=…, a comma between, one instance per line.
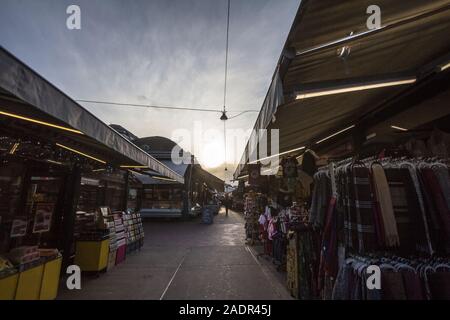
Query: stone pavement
x=188, y=260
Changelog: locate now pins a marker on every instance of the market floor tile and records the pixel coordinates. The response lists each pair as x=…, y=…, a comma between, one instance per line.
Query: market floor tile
x=188, y=260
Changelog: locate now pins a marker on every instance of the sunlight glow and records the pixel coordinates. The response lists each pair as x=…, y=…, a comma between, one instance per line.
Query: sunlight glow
x=212, y=154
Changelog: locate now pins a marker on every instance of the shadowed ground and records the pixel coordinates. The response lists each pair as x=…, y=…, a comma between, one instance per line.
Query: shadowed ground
x=188, y=260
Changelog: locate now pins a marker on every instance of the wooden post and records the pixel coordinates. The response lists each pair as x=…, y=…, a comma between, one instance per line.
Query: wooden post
x=127, y=190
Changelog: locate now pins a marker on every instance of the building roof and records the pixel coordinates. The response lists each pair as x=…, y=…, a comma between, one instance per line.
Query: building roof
x=127, y=134
x=330, y=48
x=25, y=95
x=156, y=145
x=161, y=148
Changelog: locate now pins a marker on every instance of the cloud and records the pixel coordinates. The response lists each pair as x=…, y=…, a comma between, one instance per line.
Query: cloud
x=157, y=52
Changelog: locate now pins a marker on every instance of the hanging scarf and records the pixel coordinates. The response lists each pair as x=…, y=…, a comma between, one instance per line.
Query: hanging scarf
x=383, y=197
x=361, y=204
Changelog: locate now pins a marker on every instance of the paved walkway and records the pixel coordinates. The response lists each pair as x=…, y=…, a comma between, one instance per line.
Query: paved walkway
x=188, y=260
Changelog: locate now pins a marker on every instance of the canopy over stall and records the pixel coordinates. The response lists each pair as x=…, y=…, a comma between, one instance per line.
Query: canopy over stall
x=31, y=105
x=334, y=73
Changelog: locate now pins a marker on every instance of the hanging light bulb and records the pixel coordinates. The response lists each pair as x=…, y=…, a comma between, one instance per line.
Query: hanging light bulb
x=224, y=117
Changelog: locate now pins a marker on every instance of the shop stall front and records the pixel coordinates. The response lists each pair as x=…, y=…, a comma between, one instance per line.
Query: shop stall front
x=168, y=198
x=64, y=186
x=161, y=198
x=364, y=147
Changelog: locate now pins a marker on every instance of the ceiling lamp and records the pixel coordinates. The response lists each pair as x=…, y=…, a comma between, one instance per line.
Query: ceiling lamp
x=351, y=88
x=80, y=153
x=224, y=117
x=48, y=124
x=399, y=128
x=335, y=134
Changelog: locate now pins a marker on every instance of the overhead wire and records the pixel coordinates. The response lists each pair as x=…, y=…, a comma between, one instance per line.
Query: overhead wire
x=164, y=107
x=225, y=92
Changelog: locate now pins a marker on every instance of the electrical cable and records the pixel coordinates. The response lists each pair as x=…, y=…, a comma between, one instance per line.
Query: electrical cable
x=226, y=59
x=149, y=106
x=164, y=107
x=225, y=92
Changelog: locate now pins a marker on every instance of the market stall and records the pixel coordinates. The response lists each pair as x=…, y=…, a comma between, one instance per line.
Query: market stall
x=364, y=152
x=59, y=167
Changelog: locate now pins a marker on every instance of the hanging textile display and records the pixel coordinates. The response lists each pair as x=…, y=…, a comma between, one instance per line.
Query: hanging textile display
x=254, y=174
x=401, y=279
x=388, y=209
x=289, y=166
x=254, y=204
x=241, y=186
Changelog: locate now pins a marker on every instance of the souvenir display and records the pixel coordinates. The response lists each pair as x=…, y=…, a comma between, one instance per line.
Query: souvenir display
x=19, y=228
x=121, y=237
x=90, y=226
x=24, y=254
x=43, y=218
x=134, y=231
x=254, y=172
x=254, y=205
x=289, y=166
x=5, y=265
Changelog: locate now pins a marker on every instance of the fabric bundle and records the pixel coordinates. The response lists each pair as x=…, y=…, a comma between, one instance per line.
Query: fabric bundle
x=361, y=206
x=383, y=198
x=410, y=225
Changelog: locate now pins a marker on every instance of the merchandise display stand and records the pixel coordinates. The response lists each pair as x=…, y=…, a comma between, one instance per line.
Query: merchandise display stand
x=112, y=242
x=120, y=237
x=134, y=231
x=93, y=231
x=92, y=255
x=252, y=212
x=37, y=280
x=8, y=285
x=29, y=282
x=50, y=279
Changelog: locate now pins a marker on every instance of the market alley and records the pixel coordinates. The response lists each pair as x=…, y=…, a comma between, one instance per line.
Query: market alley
x=188, y=260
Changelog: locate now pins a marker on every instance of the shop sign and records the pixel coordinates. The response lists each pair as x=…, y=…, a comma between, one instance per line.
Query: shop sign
x=43, y=218
x=19, y=228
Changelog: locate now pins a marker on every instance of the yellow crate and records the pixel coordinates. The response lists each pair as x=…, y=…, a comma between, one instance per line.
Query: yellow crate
x=50, y=280
x=92, y=255
x=8, y=287
x=29, y=283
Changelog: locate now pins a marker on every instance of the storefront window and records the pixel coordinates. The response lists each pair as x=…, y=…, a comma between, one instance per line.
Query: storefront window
x=162, y=197
x=132, y=203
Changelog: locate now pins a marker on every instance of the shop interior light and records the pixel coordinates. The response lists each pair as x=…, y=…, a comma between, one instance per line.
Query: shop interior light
x=98, y=170
x=335, y=134
x=445, y=66
x=399, y=128
x=12, y=115
x=14, y=148
x=278, y=154
x=271, y=170
x=312, y=94
x=54, y=162
x=164, y=179
x=80, y=153
x=134, y=167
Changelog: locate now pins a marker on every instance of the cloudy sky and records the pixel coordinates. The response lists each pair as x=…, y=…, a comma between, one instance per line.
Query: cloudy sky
x=160, y=52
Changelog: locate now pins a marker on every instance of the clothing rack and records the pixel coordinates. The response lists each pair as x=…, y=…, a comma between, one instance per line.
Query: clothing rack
x=415, y=278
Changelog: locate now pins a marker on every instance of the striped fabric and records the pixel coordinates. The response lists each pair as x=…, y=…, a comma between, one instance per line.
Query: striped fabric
x=359, y=224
